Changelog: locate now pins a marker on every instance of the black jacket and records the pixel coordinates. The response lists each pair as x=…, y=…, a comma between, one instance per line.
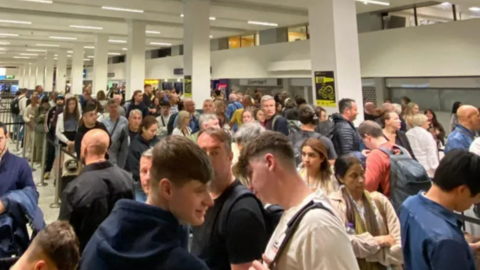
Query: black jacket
x=402, y=140
x=346, y=138
x=142, y=107
x=138, y=236
x=277, y=123
x=137, y=147
x=82, y=130
x=88, y=200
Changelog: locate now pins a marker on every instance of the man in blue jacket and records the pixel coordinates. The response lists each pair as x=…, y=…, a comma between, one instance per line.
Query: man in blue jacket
x=148, y=235
x=464, y=132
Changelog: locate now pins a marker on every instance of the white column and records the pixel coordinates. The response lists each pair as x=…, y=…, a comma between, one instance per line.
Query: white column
x=49, y=71
x=196, y=59
x=135, y=57
x=61, y=71
x=25, y=76
x=31, y=75
x=40, y=79
x=100, y=66
x=20, y=76
x=77, y=70
x=334, y=47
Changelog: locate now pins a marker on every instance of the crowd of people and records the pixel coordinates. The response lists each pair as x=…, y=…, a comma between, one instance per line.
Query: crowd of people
x=255, y=182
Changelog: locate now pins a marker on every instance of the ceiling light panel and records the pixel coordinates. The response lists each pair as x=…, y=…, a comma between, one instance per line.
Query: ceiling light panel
x=36, y=50
x=382, y=3
x=86, y=59
x=88, y=47
x=8, y=35
x=4, y=43
x=124, y=49
x=90, y=56
x=29, y=54
x=160, y=44
x=263, y=23
x=15, y=22
x=47, y=45
x=38, y=1
x=152, y=32
x=21, y=57
x=63, y=38
x=210, y=18
x=123, y=9
x=475, y=8
x=86, y=27
x=114, y=53
x=117, y=41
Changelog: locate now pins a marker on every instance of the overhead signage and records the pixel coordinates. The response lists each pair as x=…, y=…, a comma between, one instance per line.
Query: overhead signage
x=179, y=71
x=325, y=88
x=110, y=74
x=260, y=82
x=10, y=77
x=187, y=86
x=152, y=81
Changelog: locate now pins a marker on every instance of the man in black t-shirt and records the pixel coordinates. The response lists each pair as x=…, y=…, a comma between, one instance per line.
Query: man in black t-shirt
x=236, y=241
x=87, y=123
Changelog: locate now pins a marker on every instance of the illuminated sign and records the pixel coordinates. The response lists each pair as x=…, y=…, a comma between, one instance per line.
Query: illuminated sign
x=10, y=77
x=152, y=81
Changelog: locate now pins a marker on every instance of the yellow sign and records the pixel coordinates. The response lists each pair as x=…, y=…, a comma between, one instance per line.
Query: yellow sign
x=151, y=81
x=325, y=89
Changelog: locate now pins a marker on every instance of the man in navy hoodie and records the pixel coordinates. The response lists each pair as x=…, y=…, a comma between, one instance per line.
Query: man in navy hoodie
x=148, y=235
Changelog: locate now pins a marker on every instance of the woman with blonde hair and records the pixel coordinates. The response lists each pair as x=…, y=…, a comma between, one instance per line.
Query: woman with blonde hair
x=423, y=144
x=370, y=219
x=315, y=168
x=410, y=110
x=183, y=128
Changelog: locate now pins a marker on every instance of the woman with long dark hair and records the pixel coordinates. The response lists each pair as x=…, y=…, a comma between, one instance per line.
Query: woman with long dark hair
x=454, y=119
x=436, y=128
x=315, y=168
x=370, y=219
x=67, y=123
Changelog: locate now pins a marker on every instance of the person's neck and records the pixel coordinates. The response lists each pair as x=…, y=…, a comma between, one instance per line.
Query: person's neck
x=95, y=159
x=293, y=191
x=465, y=125
x=444, y=199
x=220, y=185
x=165, y=114
x=90, y=126
x=379, y=141
x=356, y=195
x=114, y=117
x=146, y=139
x=346, y=117
x=313, y=174
x=390, y=131
x=133, y=129
x=308, y=127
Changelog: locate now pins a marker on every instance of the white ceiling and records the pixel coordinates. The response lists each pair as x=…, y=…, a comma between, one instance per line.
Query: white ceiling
x=161, y=15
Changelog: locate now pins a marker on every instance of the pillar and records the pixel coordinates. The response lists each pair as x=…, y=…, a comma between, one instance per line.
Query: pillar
x=40, y=79
x=61, y=71
x=49, y=71
x=334, y=47
x=25, y=76
x=32, y=70
x=77, y=70
x=196, y=60
x=100, y=64
x=135, y=57
x=20, y=76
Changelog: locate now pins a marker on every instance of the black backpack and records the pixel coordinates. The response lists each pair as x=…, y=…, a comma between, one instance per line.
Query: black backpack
x=271, y=214
x=15, y=106
x=298, y=138
x=292, y=227
x=171, y=121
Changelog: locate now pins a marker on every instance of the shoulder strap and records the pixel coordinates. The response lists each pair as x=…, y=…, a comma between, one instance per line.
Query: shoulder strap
x=292, y=227
x=163, y=121
x=237, y=193
x=274, y=121
x=115, y=127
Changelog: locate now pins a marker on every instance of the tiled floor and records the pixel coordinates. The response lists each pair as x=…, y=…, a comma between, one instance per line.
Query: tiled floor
x=47, y=193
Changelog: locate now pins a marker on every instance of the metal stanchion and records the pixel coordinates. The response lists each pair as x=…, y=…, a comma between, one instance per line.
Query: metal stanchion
x=32, y=155
x=25, y=131
x=56, y=203
x=42, y=176
x=18, y=134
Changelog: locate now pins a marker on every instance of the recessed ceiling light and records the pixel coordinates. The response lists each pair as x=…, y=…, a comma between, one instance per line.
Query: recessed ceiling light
x=4, y=43
x=29, y=54
x=212, y=18
x=35, y=50
x=123, y=9
x=63, y=38
x=56, y=55
x=90, y=56
x=211, y=36
x=8, y=35
x=160, y=44
x=16, y=22
x=262, y=23
x=55, y=58
x=114, y=53
x=21, y=57
x=3, y=49
x=117, y=41
x=86, y=27
x=152, y=32
x=69, y=51
x=38, y=1
x=445, y=3
x=181, y=15
x=47, y=45
x=374, y=2
x=124, y=49
x=475, y=8
x=69, y=56
x=86, y=59
x=88, y=47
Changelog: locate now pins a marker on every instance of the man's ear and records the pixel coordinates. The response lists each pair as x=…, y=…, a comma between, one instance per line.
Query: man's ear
x=40, y=265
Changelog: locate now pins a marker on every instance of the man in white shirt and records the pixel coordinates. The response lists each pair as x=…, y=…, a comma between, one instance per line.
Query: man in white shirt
x=320, y=241
x=163, y=119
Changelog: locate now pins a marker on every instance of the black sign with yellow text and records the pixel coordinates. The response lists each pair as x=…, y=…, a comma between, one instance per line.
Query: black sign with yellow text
x=325, y=89
x=188, y=86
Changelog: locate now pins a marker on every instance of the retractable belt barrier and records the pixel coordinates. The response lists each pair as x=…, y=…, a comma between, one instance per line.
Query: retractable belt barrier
x=464, y=219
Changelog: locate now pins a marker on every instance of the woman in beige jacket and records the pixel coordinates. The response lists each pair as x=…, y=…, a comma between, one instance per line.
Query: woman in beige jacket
x=369, y=218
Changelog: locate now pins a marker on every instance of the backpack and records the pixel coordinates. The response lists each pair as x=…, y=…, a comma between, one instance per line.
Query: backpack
x=292, y=227
x=271, y=214
x=15, y=106
x=298, y=138
x=326, y=128
x=171, y=121
x=407, y=176
x=293, y=126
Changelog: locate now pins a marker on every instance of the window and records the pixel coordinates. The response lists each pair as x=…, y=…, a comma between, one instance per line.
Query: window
x=297, y=33
x=234, y=42
x=248, y=41
x=465, y=13
x=440, y=13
